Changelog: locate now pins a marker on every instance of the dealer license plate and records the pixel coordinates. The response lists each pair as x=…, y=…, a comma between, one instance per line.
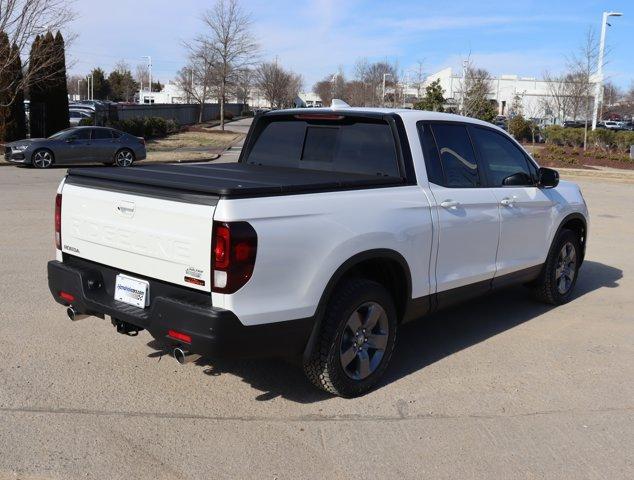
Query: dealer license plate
x=132, y=291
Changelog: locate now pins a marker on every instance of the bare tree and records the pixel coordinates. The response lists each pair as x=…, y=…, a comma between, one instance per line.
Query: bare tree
x=476, y=88
x=230, y=42
x=419, y=79
x=279, y=87
x=23, y=21
x=197, y=77
x=579, y=83
x=142, y=75
x=244, y=82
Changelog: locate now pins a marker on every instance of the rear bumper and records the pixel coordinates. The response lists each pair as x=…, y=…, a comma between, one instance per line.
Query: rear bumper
x=215, y=332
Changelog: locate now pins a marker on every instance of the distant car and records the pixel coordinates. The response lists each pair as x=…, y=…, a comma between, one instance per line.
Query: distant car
x=76, y=116
x=78, y=145
x=613, y=125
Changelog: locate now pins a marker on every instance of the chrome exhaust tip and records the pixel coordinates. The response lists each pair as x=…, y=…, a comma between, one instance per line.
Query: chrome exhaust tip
x=184, y=356
x=74, y=315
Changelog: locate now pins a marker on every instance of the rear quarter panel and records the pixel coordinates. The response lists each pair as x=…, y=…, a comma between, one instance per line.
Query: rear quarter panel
x=304, y=239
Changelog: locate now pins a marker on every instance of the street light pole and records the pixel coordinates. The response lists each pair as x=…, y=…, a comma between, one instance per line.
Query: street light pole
x=598, y=90
x=383, y=96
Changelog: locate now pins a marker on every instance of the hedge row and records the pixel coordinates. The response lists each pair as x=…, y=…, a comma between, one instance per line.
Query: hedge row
x=149, y=127
x=600, y=138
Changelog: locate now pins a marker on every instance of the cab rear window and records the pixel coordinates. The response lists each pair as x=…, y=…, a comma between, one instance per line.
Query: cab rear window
x=364, y=146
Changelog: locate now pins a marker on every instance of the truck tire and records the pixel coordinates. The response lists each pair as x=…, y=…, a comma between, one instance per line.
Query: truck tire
x=559, y=276
x=356, y=340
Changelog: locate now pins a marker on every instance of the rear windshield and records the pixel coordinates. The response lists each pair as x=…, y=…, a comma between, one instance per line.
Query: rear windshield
x=350, y=146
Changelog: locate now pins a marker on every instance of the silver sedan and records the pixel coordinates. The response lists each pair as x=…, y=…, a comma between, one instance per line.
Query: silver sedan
x=78, y=145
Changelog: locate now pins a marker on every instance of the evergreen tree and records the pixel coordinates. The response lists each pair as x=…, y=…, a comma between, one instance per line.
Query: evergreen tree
x=57, y=99
x=434, y=98
x=122, y=85
x=37, y=83
x=16, y=127
x=5, y=89
x=101, y=86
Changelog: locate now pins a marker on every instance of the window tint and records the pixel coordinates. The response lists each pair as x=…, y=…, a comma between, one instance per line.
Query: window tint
x=501, y=158
x=359, y=147
x=101, y=134
x=116, y=133
x=430, y=155
x=456, y=156
x=81, y=134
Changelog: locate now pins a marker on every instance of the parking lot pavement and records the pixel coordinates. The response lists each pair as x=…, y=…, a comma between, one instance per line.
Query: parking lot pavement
x=499, y=388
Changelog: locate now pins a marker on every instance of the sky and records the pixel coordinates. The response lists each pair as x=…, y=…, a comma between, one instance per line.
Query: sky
x=315, y=37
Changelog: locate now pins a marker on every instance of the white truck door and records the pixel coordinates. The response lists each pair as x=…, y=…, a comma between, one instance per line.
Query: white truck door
x=468, y=214
x=526, y=211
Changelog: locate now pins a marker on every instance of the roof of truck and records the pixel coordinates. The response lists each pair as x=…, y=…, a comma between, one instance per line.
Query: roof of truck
x=406, y=114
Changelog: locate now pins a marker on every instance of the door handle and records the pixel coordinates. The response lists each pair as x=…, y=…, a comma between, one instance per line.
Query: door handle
x=508, y=201
x=450, y=204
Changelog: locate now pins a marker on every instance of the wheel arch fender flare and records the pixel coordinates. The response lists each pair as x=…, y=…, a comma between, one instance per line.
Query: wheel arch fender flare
x=379, y=254
x=576, y=216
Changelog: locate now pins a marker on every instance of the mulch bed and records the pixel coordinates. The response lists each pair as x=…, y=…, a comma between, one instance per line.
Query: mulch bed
x=571, y=157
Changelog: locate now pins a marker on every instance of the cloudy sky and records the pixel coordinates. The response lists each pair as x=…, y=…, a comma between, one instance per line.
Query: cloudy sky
x=314, y=37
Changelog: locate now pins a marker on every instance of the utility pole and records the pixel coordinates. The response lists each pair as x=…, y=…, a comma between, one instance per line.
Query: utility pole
x=149, y=68
x=598, y=91
x=465, y=65
x=383, y=96
x=78, y=89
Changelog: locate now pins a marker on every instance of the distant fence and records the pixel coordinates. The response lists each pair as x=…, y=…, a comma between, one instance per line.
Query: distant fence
x=183, y=114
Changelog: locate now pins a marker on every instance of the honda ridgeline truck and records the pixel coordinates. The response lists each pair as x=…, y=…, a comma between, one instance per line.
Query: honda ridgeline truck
x=334, y=228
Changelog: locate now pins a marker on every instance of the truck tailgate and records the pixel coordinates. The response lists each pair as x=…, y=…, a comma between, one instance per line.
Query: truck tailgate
x=161, y=237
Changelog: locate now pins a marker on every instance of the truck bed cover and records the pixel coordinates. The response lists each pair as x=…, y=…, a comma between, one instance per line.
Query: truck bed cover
x=235, y=179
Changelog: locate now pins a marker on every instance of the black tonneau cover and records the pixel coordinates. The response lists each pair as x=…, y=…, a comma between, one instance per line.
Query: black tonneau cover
x=235, y=179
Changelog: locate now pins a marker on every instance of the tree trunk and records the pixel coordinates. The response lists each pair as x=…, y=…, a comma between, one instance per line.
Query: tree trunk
x=222, y=104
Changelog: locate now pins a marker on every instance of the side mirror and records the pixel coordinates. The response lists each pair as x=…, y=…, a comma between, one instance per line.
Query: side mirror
x=547, y=178
x=517, y=179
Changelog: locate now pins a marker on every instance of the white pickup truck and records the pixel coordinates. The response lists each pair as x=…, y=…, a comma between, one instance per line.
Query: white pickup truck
x=333, y=228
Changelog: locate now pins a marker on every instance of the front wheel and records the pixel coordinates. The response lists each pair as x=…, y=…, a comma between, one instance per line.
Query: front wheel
x=124, y=158
x=356, y=340
x=559, y=276
x=42, y=158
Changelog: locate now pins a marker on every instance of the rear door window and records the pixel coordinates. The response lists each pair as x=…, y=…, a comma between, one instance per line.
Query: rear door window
x=352, y=146
x=101, y=134
x=457, y=158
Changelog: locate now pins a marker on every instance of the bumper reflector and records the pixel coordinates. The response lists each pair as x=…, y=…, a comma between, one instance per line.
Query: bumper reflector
x=67, y=296
x=179, y=336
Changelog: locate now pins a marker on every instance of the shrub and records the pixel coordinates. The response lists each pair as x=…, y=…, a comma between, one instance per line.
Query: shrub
x=86, y=122
x=623, y=141
x=572, y=137
x=148, y=127
x=553, y=134
x=602, y=138
x=520, y=128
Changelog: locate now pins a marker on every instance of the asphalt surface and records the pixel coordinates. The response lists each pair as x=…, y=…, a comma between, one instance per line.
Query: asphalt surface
x=502, y=387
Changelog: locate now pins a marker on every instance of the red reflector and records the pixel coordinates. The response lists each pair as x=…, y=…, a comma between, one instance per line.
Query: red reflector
x=58, y=221
x=195, y=281
x=179, y=336
x=243, y=251
x=221, y=248
x=67, y=296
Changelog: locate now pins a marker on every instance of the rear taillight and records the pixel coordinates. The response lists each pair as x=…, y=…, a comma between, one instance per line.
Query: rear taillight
x=234, y=246
x=58, y=221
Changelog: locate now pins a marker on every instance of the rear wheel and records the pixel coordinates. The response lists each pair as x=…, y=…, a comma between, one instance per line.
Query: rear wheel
x=42, y=158
x=356, y=340
x=559, y=277
x=124, y=158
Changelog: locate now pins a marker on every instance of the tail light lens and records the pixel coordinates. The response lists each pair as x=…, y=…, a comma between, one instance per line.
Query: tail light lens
x=234, y=247
x=58, y=221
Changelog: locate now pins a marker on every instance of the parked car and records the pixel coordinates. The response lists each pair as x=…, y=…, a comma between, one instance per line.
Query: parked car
x=334, y=228
x=613, y=125
x=76, y=116
x=78, y=145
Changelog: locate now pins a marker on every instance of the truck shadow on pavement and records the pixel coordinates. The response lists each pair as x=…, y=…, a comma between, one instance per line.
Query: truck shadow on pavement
x=420, y=343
